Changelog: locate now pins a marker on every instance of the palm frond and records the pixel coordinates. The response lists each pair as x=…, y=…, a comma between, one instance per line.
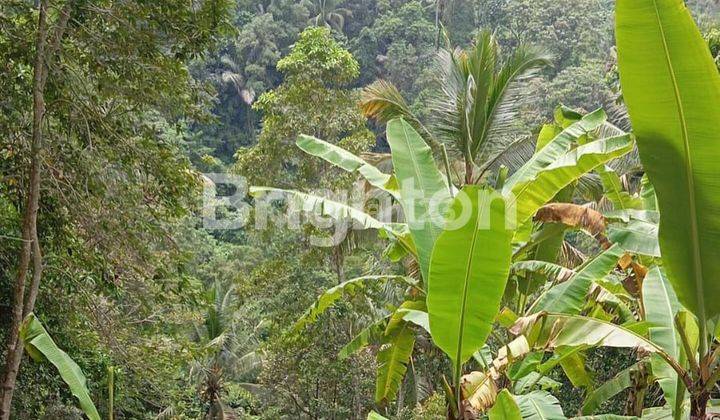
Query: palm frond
x=451, y=102
x=590, y=187
x=509, y=93
x=629, y=162
x=382, y=101
x=512, y=155
x=476, y=109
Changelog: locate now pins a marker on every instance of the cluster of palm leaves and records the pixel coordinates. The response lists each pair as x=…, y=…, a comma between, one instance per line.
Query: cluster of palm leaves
x=328, y=13
x=229, y=350
x=475, y=107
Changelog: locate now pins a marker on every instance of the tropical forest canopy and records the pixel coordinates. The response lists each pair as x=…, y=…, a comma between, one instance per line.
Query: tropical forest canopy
x=359, y=209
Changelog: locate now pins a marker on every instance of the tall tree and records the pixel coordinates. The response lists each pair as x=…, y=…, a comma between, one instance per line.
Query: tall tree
x=95, y=66
x=317, y=71
x=23, y=303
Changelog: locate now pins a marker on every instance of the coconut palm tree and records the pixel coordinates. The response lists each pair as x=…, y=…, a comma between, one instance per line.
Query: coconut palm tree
x=231, y=75
x=228, y=350
x=475, y=108
x=328, y=13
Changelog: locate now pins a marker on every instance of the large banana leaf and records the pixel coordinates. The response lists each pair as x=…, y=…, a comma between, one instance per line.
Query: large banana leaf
x=392, y=360
x=647, y=193
x=569, y=297
x=531, y=380
x=325, y=207
x=550, y=331
x=349, y=287
x=423, y=191
x=372, y=332
x=638, y=237
x=417, y=317
x=574, y=367
x=528, y=196
x=672, y=89
x=555, y=148
x=468, y=273
x=627, y=215
x=505, y=408
x=341, y=212
x=661, y=306
x=551, y=271
x=348, y=162
x=39, y=345
x=539, y=405
x=609, y=389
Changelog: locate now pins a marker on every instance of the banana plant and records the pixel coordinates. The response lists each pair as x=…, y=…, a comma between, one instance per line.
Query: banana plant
x=672, y=89
x=583, y=289
x=562, y=161
x=40, y=346
x=468, y=273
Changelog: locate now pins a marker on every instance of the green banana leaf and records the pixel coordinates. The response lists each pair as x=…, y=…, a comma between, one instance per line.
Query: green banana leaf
x=574, y=367
x=661, y=306
x=40, y=345
x=372, y=332
x=423, y=191
x=468, y=273
x=620, y=199
x=347, y=288
x=417, y=317
x=539, y=405
x=551, y=271
x=325, y=206
x=609, y=389
x=533, y=379
x=527, y=196
x=554, y=148
x=627, y=215
x=552, y=330
x=638, y=237
x=505, y=408
x=547, y=133
x=348, y=162
x=397, y=317
x=558, y=357
x=647, y=193
x=569, y=297
x=392, y=360
x=672, y=89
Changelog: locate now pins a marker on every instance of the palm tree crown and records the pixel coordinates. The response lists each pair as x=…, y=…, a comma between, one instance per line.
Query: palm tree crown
x=475, y=108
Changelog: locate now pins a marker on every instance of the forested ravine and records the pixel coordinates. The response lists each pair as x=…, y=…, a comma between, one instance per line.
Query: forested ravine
x=359, y=209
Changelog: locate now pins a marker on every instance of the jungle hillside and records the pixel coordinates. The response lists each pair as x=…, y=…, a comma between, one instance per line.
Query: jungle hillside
x=359, y=209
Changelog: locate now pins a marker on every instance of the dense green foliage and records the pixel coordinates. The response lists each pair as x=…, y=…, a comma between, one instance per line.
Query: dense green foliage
x=154, y=315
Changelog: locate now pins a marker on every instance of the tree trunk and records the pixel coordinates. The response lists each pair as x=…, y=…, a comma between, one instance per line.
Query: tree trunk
x=338, y=259
x=636, y=398
x=29, y=228
x=468, y=171
x=698, y=405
